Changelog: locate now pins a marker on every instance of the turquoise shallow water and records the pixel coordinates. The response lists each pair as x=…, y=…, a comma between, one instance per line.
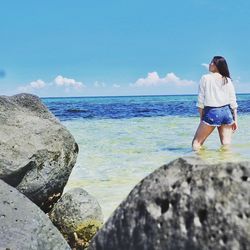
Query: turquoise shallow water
x=115, y=154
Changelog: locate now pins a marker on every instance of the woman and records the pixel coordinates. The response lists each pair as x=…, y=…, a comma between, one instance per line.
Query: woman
x=217, y=104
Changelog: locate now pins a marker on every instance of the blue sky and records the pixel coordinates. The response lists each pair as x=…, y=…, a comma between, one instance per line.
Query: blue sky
x=114, y=47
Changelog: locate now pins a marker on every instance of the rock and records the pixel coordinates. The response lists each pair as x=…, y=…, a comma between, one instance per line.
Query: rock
x=186, y=204
x=23, y=225
x=37, y=153
x=78, y=216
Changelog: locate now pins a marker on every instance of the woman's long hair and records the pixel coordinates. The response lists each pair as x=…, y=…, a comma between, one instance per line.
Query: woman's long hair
x=221, y=64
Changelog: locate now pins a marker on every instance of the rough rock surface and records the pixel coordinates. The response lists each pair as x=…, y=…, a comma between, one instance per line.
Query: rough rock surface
x=37, y=153
x=186, y=204
x=23, y=225
x=78, y=216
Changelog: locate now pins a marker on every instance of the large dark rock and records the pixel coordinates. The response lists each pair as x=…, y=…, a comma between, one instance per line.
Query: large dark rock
x=23, y=225
x=37, y=153
x=78, y=216
x=186, y=204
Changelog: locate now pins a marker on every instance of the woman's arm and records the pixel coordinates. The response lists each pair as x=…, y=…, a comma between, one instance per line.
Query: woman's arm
x=232, y=97
x=201, y=93
x=233, y=105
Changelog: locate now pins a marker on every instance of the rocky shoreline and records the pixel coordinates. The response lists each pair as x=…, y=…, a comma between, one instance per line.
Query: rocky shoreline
x=37, y=155
x=186, y=204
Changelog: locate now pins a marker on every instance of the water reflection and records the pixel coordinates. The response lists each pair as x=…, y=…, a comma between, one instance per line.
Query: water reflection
x=222, y=154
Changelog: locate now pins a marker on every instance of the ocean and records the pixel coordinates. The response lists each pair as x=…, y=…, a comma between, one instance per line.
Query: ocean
x=123, y=139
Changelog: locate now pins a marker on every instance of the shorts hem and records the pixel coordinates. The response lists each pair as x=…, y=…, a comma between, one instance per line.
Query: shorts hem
x=216, y=125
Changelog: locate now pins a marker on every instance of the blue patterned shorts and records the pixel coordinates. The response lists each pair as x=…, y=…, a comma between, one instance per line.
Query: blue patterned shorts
x=217, y=116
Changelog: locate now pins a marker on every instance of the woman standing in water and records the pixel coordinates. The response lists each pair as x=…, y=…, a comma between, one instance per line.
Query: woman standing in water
x=217, y=104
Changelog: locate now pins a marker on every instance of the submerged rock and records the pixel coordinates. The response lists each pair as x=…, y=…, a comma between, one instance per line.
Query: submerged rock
x=23, y=225
x=78, y=216
x=37, y=153
x=185, y=205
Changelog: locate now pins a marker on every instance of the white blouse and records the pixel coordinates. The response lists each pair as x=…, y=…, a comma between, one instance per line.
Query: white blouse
x=214, y=92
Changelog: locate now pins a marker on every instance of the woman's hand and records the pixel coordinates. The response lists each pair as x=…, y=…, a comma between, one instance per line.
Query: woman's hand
x=235, y=126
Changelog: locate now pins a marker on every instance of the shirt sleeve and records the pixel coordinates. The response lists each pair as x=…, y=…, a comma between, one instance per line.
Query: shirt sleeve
x=232, y=96
x=201, y=93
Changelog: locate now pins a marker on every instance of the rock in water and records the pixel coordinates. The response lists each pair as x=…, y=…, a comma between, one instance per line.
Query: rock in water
x=23, y=225
x=185, y=205
x=78, y=216
x=37, y=153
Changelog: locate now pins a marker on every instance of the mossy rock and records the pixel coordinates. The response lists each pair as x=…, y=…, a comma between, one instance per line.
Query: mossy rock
x=78, y=216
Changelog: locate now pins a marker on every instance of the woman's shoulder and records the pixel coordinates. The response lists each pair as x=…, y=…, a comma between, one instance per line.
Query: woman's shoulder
x=205, y=77
x=213, y=76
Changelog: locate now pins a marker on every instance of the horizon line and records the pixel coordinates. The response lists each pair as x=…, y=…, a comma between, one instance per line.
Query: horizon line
x=106, y=96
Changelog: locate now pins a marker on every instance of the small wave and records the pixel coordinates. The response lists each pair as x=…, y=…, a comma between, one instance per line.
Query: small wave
x=77, y=110
x=177, y=149
x=145, y=110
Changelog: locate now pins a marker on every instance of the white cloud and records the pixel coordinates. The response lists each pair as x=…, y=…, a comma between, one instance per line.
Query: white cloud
x=99, y=84
x=59, y=81
x=68, y=82
x=206, y=65
x=38, y=84
x=153, y=79
x=116, y=85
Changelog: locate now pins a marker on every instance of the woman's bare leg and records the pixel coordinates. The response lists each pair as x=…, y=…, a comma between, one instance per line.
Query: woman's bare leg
x=203, y=131
x=225, y=132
